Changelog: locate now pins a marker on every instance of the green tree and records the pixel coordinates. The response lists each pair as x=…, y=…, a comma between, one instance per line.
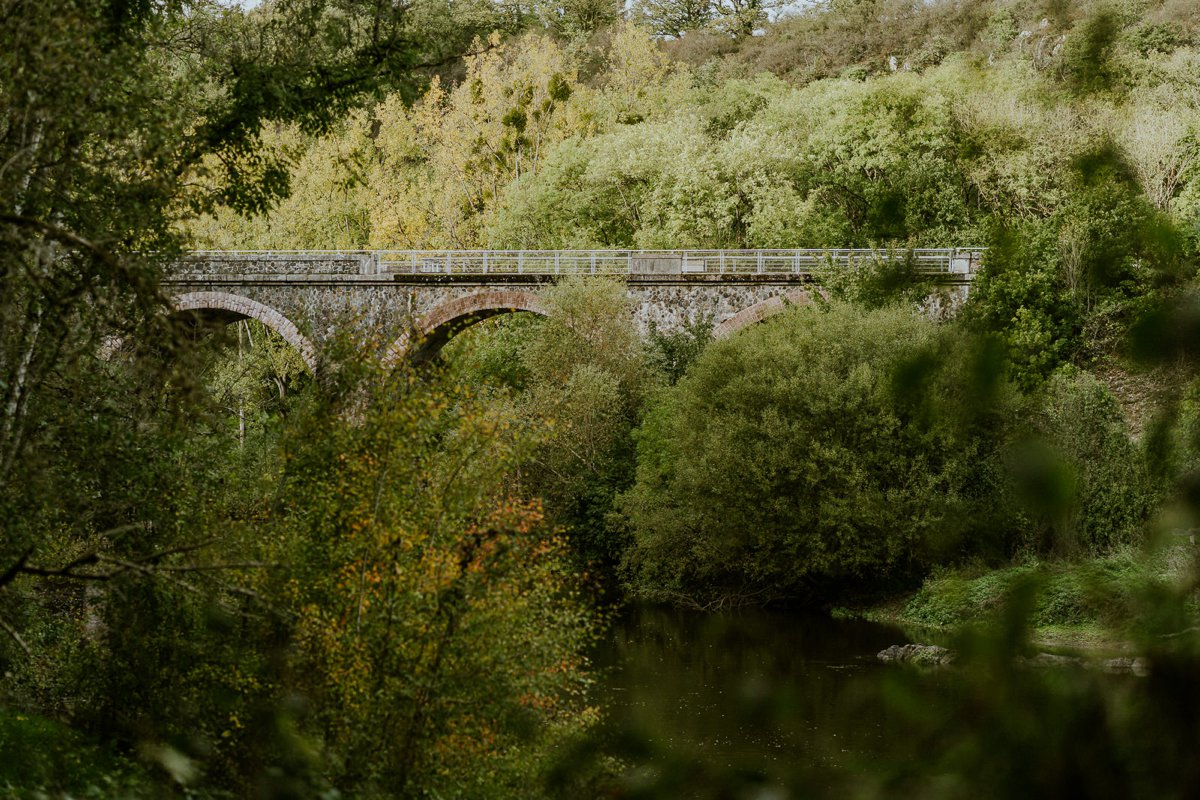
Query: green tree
x=589, y=377
x=743, y=17
x=578, y=19
x=118, y=120
x=1093, y=493
x=256, y=379
x=440, y=628
x=675, y=17
x=812, y=454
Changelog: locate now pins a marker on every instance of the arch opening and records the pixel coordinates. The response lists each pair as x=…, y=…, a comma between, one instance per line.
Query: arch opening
x=764, y=310
x=222, y=308
x=431, y=332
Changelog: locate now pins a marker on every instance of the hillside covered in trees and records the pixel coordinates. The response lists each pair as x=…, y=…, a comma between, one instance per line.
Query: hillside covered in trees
x=887, y=123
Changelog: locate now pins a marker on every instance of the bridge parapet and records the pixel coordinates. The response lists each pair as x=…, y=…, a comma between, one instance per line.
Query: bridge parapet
x=948, y=261
x=956, y=263
x=258, y=263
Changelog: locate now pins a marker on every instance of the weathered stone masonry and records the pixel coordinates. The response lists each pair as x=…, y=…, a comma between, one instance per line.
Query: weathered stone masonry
x=308, y=299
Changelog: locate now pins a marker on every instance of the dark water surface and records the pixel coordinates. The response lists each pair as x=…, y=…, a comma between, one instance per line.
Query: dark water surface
x=754, y=689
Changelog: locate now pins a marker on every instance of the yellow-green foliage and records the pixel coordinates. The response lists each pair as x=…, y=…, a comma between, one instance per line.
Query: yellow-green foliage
x=439, y=627
x=541, y=145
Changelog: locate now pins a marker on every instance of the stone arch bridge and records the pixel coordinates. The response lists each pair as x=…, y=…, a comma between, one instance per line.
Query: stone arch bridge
x=417, y=300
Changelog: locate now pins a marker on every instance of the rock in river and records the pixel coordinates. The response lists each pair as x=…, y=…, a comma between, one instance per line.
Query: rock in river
x=925, y=655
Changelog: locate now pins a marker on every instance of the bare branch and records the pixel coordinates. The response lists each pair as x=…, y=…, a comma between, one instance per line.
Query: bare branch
x=69, y=570
x=142, y=569
x=16, y=637
x=15, y=569
x=218, y=567
x=61, y=234
x=146, y=565
x=186, y=548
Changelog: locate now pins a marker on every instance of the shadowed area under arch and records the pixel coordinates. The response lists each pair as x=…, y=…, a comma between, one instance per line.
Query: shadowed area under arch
x=226, y=307
x=761, y=311
x=431, y=332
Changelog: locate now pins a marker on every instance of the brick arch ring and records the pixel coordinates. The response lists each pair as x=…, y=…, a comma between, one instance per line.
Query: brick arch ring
x=431, y=332
x=243, y=307
x=761, y=311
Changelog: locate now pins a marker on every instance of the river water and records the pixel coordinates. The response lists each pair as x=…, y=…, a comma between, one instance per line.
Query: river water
x=753, y=690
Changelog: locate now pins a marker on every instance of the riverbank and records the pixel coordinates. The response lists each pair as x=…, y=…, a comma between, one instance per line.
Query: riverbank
x=1091, y=605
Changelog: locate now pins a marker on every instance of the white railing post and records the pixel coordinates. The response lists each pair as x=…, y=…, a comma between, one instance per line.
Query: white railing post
x=760, y=262
x=722, y=267
x=520, y=261
x=593, y=262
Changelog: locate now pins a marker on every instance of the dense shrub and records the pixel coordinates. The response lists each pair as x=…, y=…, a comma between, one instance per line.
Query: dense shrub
x=438, y=625
x=825, y=448
x=1174, y=444
x=42, y=758
x=1077, y=438
x=579, y=378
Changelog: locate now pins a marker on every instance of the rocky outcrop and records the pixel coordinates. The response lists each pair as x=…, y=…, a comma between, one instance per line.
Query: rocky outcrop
x=925, y=655
x=928, y=655
x=1135, y=666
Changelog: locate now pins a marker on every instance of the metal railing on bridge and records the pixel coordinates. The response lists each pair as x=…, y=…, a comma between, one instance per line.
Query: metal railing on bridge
x=948, y=261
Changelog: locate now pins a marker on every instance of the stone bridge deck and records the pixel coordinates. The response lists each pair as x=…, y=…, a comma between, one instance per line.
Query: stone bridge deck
x=418, y=299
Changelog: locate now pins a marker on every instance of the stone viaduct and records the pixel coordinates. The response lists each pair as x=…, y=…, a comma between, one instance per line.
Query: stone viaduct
x=417, y=300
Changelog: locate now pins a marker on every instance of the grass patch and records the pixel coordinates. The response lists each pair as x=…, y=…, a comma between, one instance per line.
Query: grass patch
x=1089, y=603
